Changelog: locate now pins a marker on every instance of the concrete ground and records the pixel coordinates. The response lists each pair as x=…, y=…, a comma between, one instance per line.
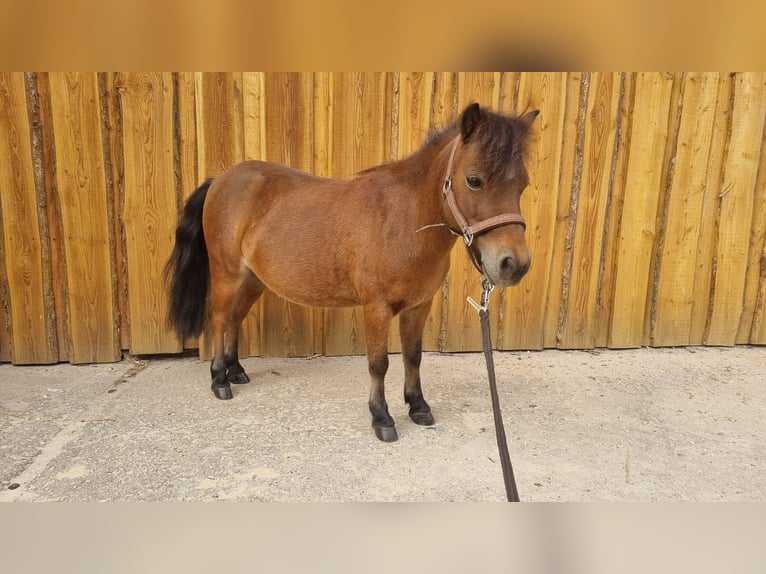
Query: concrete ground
x=634, y=425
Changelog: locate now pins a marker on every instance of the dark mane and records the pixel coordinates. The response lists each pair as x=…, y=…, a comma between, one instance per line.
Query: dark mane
x=503, y=141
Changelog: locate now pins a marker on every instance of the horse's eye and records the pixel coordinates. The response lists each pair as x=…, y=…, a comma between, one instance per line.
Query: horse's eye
x=474, y=182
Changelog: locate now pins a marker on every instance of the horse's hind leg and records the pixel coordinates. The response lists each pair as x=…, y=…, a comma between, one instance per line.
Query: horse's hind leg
x=229, y=303
x=377, y=320
x=411, y=324
x=249, y=291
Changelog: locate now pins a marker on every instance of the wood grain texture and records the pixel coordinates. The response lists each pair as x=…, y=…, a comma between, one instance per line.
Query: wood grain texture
x=32, y=336
x=736, y=197
x=186, y=155
x=752, y=328
x=82, y=191
x=577, y=329
x=43, y=121
x=638, y=225
x=525, y=305
x=614, y=205
x=149, y=204
x=758, y=330
x=702, y=300
x=646, y=211
x=568, y=170
x=684, y=212
x=755, y=279
x=114, y=174
x=416, y=93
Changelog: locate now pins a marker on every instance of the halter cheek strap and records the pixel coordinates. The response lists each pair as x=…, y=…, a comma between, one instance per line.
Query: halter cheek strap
x=470, y=230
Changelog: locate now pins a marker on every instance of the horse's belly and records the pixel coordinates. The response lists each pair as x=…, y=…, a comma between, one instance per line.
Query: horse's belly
x=306, y=280
x=311, y=294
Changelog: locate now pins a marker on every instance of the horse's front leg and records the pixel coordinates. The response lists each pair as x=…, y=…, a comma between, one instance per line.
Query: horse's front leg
x=411, y=324
x=377, y=321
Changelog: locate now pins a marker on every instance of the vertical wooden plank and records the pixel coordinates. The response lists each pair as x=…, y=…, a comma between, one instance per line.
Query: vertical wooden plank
x=614, y=204
x=359, y=139
x=668, y=165
x=43, y=121
x=443, y=114
x=416, y=91
x=218, y=99
x=684, y=212
x=509, y=95
x=755, y=280
x=5, y=318
x=750, y=326
x=54, y=280
x=187, y=154
x=755, y=333
x=577, y=330
x=147, y=115
x=219, y=106
x=186, y=136
x=287, y=328
x=254, y=148
x=322, y=131
x=758, y=331
x=463, y=328
x=525, y=305
x=111, y=122
x=5, y=334
x=563, y=190
x=82, y=190
x=639, y=214
x=736, y=208
x=32, y=337
x=706, y=246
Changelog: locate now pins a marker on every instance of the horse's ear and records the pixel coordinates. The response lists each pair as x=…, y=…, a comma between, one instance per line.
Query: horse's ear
x=528, y=118
x=469, y=119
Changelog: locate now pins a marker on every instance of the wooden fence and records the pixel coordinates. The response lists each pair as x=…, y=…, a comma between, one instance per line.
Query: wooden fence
x=646, y=211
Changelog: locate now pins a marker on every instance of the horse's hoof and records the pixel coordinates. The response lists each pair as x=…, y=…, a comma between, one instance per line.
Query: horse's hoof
x=239, y=379
x=223, y=392
x=425, y=419
x=386, y=434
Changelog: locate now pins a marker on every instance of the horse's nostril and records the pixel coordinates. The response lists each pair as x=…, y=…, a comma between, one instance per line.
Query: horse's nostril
x=512, y=269
x=508, y=266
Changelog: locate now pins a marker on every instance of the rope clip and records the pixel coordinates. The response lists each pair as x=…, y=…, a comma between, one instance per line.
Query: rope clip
x=487, y=287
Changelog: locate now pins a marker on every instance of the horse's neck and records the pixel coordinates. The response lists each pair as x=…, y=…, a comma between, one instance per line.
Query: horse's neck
x=424, y=173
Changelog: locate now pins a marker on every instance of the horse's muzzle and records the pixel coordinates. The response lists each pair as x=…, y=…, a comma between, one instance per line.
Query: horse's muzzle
x=509, y=270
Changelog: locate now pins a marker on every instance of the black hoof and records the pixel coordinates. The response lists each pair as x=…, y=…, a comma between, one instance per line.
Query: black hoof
x=386, y=434
x=223, y=392
x=239, y=379
x=425, y=419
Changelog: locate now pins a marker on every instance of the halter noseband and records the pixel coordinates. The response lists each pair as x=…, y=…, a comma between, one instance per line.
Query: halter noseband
x=467, y=230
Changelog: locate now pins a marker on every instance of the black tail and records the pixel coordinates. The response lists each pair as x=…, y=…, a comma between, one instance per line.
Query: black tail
x=187, y=272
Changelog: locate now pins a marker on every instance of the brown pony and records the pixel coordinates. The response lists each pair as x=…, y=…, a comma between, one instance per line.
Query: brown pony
x=381, y=240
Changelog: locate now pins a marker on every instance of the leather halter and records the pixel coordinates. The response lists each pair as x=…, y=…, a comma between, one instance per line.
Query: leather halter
x=471, y=230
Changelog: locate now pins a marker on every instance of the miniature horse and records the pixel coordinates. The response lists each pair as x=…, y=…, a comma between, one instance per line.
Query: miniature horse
x=381, y=240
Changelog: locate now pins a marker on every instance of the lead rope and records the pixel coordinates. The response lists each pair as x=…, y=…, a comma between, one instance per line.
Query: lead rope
x=511, y=492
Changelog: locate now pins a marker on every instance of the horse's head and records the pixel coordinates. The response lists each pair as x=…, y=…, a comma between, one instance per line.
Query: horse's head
x=484, y=183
